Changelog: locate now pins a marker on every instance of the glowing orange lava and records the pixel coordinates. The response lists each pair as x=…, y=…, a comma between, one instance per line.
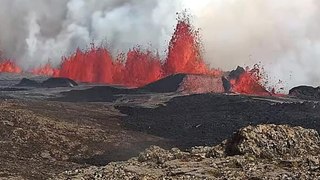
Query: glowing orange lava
x=141, y=68
x=249, y=82
x=9, y=67
x=46, y=70
x=138, y=67
x=184, y=53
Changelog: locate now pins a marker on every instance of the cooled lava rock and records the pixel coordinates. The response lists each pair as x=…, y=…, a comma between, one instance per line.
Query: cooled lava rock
x=187, y=83
x=96, y=94
x=10, y=89
x=292, y=153
x=235, y=74
x=245, y=82
x=58, y=82
x=305, y=92
x=165, y=85
x=28, y=83
x=274, y=141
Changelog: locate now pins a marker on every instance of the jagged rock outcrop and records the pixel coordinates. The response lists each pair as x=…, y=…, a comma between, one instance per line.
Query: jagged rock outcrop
x=305, y=92
x=272, y=141
x=254, y=152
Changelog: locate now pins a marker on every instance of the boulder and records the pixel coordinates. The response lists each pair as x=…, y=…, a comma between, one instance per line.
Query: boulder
x=274, y=141
x=306, y=92
x=58, y=82
x=235, y=74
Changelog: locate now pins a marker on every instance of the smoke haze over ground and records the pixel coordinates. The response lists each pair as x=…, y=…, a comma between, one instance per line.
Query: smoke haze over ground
x=281, y=34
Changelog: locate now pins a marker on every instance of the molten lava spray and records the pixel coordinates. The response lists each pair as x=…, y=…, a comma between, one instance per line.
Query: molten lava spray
x=139, y=67
x=249, y=82
x=46, y=70
x=184, y=54
x=9, y=67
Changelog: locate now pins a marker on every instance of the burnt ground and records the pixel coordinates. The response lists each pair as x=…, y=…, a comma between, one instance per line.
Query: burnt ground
x=208, y=119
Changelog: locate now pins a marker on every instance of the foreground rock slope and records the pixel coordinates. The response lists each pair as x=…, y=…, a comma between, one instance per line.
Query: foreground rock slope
x=253, y=152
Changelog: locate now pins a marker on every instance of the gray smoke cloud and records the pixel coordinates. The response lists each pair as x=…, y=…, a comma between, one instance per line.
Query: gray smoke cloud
x=35, y=32
x=281, y=34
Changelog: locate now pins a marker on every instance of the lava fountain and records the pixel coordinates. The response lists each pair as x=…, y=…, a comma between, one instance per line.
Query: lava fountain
x=8, y=66
x=139, y=67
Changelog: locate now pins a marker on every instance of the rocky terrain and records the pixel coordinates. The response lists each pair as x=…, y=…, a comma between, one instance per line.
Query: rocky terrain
x=254, y=152
x=40, y=139
x=110, y=132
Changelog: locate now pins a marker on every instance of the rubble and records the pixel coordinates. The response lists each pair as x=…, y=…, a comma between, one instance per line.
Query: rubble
x=272, y=141
x=254, y=152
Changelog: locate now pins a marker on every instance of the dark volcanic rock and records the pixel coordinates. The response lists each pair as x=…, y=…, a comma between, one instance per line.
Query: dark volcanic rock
x=28, y=83
x=58, y=82
x=187, y=83
x=167, y=84
x=10, y=89
x=306, y=92
x=207, y=119
x=96, y=94
x=226, y=84
x=235, y=74
x=182, y=83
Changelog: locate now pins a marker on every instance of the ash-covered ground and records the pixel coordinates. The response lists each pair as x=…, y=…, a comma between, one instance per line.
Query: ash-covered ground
x=73, y=131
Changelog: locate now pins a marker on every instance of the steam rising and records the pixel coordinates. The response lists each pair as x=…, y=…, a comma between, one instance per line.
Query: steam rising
x=33, y=32
x=281, y=34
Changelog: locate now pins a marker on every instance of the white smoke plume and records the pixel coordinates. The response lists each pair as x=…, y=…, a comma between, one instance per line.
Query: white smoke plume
x=281, y=34
x=37, y=31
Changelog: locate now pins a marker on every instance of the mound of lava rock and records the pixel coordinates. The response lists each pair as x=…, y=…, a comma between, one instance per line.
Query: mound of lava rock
x=254, y=152
x=49, y=83
x=238, y=81
x=25, y=82
x=58, y=82
x=187, y=83
x=305, y=92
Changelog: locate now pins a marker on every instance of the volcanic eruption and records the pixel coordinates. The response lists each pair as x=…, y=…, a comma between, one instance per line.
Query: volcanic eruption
x=139, y=67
